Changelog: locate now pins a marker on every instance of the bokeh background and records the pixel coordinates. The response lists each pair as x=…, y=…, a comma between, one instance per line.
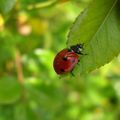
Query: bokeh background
x=30, y=37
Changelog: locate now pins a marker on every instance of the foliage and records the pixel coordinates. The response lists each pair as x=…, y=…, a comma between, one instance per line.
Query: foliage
x=6, y=6
x=31, y=33
x=99, y=30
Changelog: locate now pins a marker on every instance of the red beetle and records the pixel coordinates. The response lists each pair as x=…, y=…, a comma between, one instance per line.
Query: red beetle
x=66, y=59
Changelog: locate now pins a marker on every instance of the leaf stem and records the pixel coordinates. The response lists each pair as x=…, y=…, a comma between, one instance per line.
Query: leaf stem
x=19, y=68
x=18, y=62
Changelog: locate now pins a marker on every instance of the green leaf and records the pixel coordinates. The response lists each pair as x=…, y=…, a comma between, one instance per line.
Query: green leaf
x=99, y=28
x=10, y=90
x=20, y=112
x=6, y=5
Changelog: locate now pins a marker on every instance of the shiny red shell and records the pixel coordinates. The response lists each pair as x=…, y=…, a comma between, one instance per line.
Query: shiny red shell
x=65, y=61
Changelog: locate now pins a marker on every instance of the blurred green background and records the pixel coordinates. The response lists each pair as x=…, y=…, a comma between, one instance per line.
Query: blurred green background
x=30, y=37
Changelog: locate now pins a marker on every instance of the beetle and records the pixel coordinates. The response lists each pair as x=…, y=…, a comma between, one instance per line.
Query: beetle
x=66, y=60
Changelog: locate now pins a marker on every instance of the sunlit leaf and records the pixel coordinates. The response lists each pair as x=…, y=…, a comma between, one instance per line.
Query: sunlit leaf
x=99, y=28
